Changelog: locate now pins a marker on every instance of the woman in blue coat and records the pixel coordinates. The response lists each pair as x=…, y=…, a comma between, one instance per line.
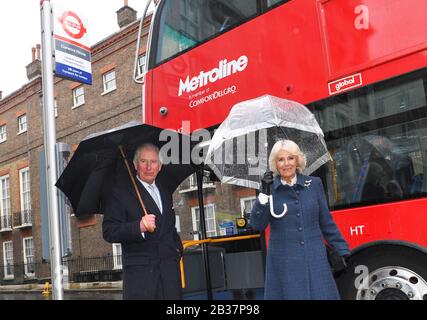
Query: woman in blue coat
x=297, y=264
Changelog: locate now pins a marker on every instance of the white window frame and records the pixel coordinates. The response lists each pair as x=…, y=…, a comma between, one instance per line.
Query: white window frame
x=28, y=252
x=210, y=221
x=243, y=200
x=177, y=223
x=117, y=256
x=55, y=107
x=78, y=96
x=109, y=84
x=22, y=123
x=142, y=59
x=193, y=181
x=8, y=258
x=3, y=133
x=25, y=195
x=5, y=203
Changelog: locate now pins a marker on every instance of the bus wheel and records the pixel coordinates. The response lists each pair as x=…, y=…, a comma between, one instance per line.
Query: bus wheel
x=386, y=272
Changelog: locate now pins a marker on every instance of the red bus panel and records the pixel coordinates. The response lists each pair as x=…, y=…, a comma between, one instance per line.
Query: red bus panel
x=393, y=221
x=298, y=49
x=359, y=35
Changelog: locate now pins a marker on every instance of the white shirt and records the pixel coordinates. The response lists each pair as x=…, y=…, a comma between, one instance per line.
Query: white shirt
x=150, y=191
x=153, y=193
x=293, y=181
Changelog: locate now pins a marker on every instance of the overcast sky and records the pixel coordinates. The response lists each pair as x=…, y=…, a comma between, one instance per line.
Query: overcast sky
x=20, y=31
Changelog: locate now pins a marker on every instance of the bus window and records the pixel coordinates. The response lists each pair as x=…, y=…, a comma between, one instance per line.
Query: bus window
x=187, y=23
x=271, y=3
x=377, y=137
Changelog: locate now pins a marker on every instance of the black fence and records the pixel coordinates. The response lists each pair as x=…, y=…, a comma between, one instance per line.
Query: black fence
x=232, y=267
x=23, y=219
x=19, y=273
x=107, y=268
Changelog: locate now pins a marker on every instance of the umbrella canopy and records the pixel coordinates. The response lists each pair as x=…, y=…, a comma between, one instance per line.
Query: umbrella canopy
x=97, y=160
x=240, y=147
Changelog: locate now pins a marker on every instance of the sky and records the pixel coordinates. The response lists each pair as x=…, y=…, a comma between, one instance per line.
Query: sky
x=20, y=31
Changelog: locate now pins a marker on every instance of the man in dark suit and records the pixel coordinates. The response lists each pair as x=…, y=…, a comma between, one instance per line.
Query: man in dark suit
x=150, y=259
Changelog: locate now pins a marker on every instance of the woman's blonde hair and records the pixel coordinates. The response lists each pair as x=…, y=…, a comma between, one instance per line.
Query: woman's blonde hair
x=292, y=148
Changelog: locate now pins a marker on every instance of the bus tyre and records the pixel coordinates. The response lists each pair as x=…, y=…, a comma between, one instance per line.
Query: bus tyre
x=385, y=272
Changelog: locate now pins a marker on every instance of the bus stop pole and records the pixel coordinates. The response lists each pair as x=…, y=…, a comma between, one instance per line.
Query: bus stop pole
x=205, y=253
x=49, y=142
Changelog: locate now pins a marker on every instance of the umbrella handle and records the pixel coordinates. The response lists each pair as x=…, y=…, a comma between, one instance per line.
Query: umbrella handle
x=132, y=178
x=277, y=216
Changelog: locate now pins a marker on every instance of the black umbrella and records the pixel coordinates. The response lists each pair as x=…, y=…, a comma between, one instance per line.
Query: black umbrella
x=97, y=161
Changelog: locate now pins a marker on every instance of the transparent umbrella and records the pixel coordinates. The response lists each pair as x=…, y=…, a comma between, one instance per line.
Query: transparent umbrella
x=239, y=150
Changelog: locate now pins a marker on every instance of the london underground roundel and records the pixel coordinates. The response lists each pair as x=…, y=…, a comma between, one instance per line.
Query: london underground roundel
x=72, y=24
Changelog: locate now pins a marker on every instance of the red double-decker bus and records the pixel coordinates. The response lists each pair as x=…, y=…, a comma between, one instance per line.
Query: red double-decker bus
x=359, y=66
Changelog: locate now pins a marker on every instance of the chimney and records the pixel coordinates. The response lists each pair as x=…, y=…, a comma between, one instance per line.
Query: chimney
x=34, y=68
x=38, y=51
x=125, y=15
x=33, y=53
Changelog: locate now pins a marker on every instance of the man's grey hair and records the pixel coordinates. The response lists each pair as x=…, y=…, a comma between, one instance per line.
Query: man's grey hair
x=149, y=146
x=292, y=148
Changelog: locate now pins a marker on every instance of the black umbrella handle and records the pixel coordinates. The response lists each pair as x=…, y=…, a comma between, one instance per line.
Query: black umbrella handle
x=132, y=178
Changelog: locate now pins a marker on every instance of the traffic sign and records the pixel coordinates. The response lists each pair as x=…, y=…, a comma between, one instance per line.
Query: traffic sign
x=72, y=49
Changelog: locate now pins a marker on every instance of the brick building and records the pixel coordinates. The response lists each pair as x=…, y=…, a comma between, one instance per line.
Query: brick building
x=112, y=100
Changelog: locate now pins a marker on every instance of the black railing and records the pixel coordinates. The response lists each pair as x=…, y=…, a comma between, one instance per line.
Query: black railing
x=23, y=218
x=6, y=222
x=106, y=268
x=19, y=273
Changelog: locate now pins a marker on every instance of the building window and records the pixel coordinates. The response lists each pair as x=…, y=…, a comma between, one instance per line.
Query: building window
x=117, y=256
x=140, y=66
x=246, y=204
x=363, y=107
x=22, y=123
x=3, y=133
x=29, y=257
x=8, y=259
x=209, y=220
x=109, y=81
x=379, y=107
x=55, y=108
x=24, y=178
x=78, y=96
x=5, y=203
x=193, y=180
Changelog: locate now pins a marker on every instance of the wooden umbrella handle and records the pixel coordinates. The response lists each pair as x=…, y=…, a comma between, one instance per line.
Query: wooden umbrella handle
x=132, y=178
